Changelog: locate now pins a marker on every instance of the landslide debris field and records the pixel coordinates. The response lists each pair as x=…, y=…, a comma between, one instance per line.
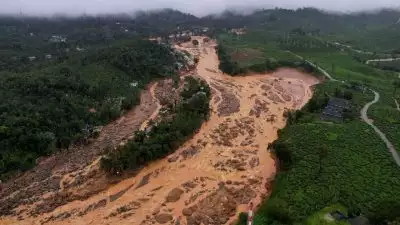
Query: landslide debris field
x=209, y=180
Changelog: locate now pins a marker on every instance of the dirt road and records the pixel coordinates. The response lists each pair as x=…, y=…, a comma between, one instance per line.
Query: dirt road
x=213, y=176
x=364, y=116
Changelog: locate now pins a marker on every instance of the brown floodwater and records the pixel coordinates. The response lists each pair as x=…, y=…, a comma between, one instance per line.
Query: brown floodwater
x=231, y=147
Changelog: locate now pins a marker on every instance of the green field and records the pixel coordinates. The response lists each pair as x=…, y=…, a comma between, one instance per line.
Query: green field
x=356, y=170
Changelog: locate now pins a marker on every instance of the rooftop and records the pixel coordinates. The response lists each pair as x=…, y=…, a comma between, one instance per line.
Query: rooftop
x=339, y=102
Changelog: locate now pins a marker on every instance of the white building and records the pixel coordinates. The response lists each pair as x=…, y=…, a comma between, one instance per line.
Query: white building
x=80, y=49
x=58, y=39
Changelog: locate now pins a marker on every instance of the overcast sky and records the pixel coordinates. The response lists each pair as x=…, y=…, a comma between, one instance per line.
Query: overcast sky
x=196, y=7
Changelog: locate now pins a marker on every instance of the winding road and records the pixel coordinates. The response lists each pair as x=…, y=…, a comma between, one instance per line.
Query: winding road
x=382, y=60
x=364, y=116
x=364, y=112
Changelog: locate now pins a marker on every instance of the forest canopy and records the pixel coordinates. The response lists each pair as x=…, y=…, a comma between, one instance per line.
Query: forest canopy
x=55, y=107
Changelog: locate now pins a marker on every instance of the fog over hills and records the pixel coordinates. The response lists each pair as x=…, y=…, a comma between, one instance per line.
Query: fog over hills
x=198, y=8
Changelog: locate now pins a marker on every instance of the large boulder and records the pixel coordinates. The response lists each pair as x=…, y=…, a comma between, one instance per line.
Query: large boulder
x=187, y=212
x=163, y=218
x=174, y=195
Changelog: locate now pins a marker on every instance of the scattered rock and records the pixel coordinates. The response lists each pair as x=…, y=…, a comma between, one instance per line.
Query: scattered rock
x=157, y=188
x=190, y=152
x=119, y=194
x=163, y=218
x=252, y=181
x=189, y=185
x=156, y=211
x=173, y=158
x=254, y=161
x=187, y=212
x=145, y=180
x=174, y=195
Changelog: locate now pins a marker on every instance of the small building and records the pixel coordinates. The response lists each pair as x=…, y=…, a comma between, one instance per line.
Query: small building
x=335, y=109
x=32, y=58
x=57, y=39
x=80, y=49
x=48, y=56
x=339, y=103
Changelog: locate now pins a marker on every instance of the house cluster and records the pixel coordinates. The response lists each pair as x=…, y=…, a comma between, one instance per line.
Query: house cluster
x=238, y=31
x=57, y=39
x=189, y=33
x=335, y=109
x=181, y=34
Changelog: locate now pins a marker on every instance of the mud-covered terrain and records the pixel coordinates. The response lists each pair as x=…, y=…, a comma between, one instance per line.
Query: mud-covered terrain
x=209, y=180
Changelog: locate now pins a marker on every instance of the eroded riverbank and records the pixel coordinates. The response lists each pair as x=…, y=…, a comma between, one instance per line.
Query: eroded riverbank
x=213, y=176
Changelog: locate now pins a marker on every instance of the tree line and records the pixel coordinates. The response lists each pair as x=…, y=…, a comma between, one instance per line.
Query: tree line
x=58, y=106
x=166, y=136
x=229, y=66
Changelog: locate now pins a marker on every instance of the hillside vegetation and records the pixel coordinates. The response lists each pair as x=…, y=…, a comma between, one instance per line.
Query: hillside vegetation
x=60, y=105
x=165, y=137
x=327, y=163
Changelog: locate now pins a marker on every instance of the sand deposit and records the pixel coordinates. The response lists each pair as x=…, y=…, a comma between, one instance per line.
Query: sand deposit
x=209, y=180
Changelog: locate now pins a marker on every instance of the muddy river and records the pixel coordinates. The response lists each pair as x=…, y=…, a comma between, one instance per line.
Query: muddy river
x=217, y=173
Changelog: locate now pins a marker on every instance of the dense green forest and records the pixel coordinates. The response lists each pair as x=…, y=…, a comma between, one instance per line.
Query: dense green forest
x=168, y=135
x=59, y=105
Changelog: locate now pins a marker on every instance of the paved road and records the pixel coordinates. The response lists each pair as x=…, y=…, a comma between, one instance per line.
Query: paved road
x=364, y=116
x=382, y=60
x=364, y=113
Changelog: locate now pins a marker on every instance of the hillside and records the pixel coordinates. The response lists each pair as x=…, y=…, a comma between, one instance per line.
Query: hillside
x=100, y=125
x=61, y=105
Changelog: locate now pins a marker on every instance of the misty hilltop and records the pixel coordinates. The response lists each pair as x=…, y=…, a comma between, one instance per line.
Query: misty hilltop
x=198, y=8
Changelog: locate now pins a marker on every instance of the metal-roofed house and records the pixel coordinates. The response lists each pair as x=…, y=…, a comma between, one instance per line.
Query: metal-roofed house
x=335, y=108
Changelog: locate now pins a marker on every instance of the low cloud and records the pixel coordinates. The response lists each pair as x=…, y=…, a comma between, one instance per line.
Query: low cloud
x=198, y=7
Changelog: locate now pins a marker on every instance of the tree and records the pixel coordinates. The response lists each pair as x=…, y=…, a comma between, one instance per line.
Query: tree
x=278, y=210
x=195, y=42
x=348, y=95
x=283, y=153
x=322, y=154
x=396, y=85
x=385, y=211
